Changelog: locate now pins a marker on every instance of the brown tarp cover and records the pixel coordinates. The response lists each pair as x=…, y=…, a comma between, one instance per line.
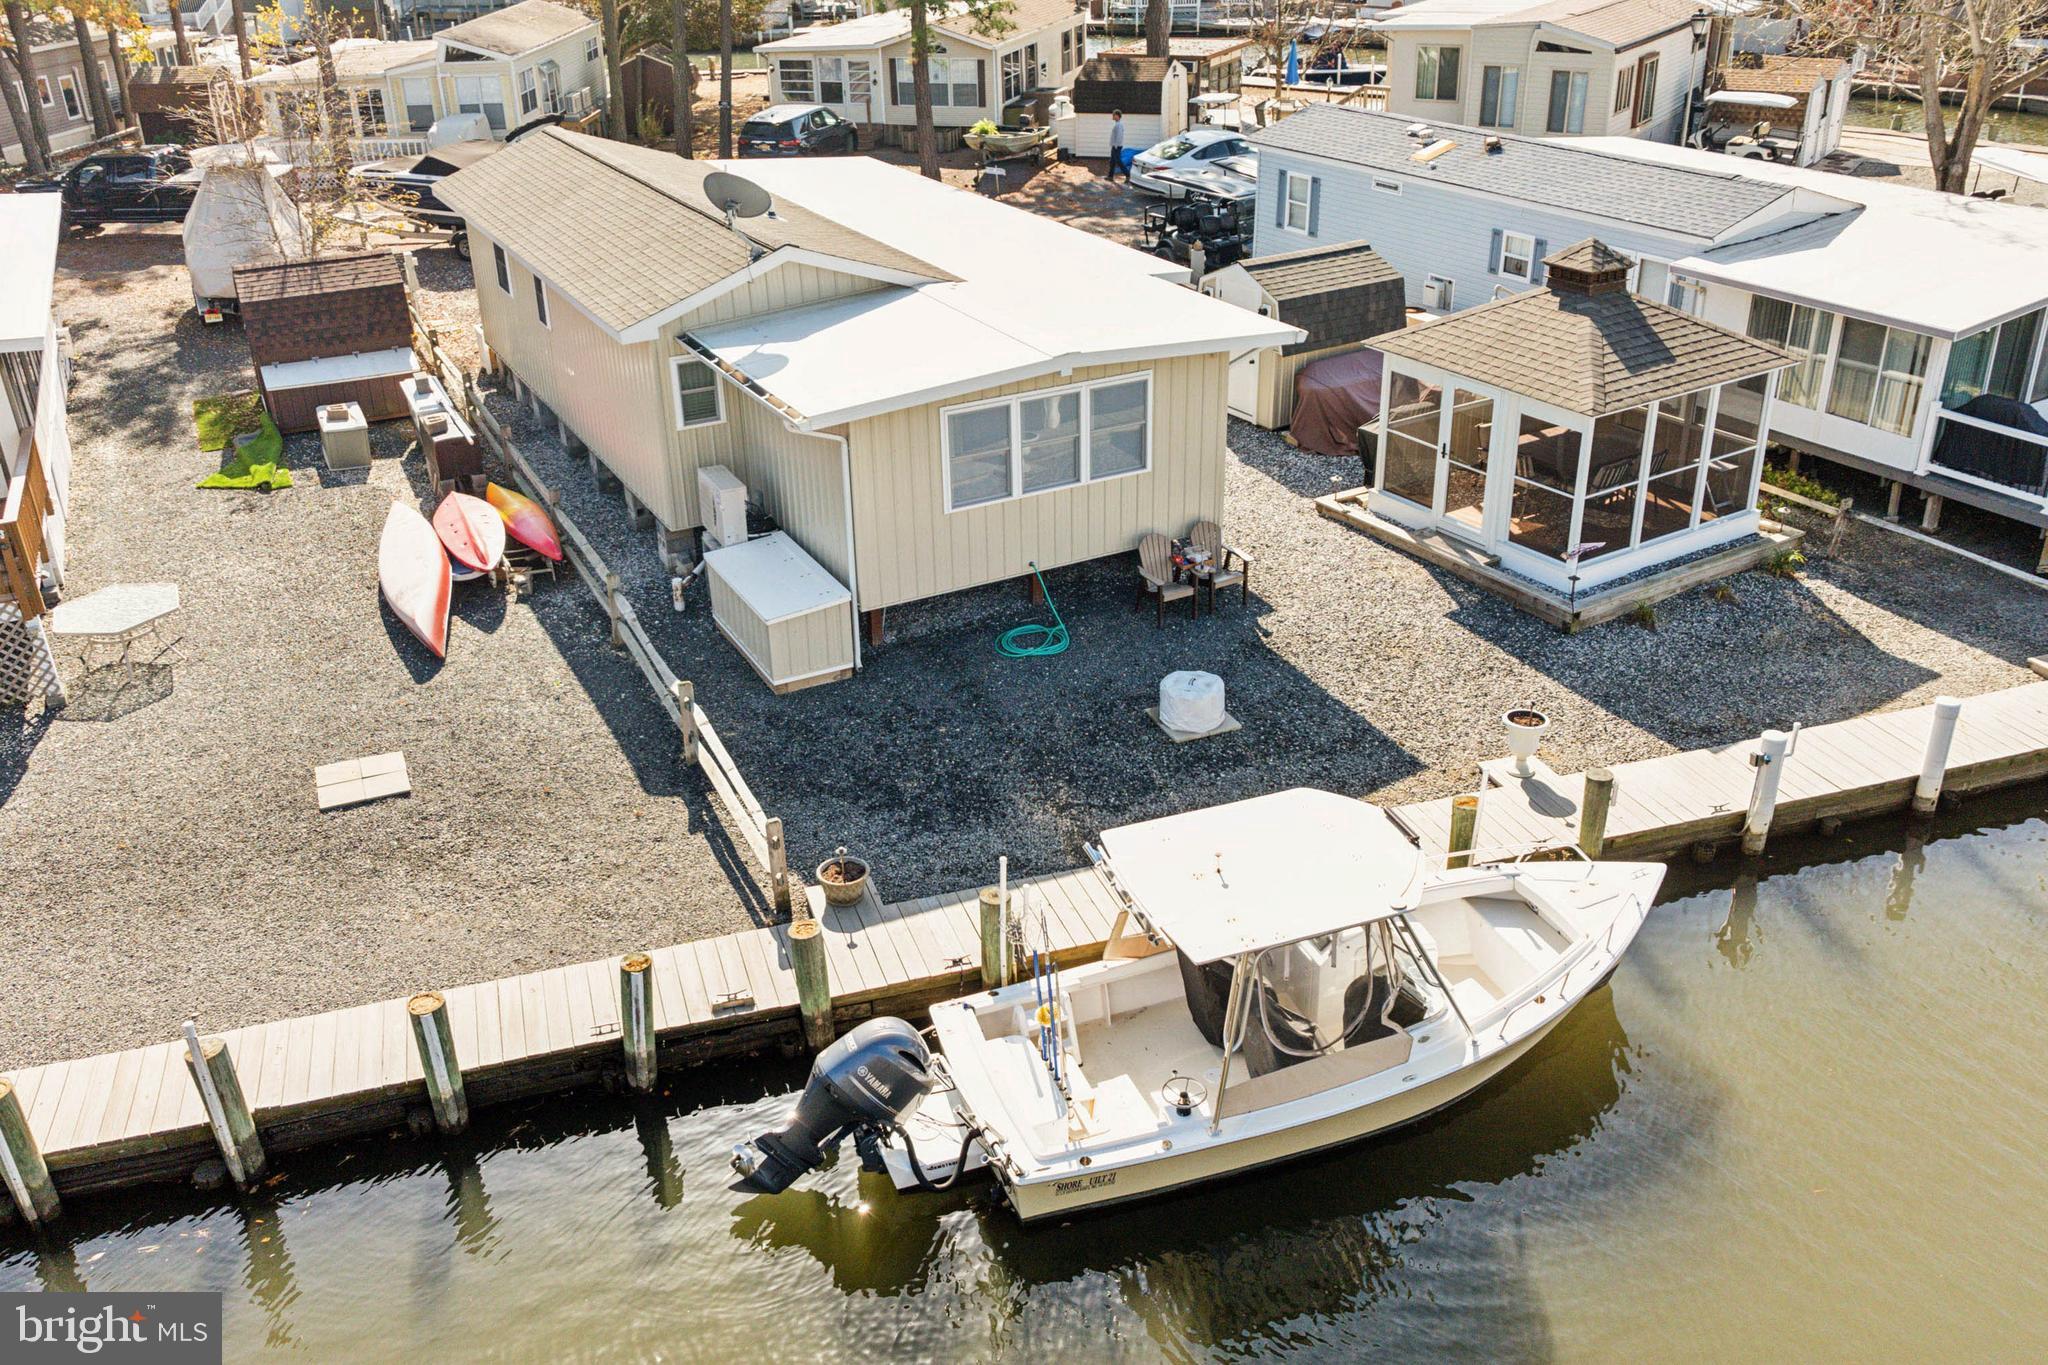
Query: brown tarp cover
x=1333, y=398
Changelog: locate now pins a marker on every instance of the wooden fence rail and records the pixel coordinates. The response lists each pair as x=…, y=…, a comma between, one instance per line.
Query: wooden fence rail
x=21, y=535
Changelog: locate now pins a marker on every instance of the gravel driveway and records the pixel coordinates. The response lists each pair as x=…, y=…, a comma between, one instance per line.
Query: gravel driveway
x=159, y=845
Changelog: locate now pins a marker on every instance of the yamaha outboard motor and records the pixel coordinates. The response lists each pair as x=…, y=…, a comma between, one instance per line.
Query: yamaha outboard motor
x=868, y=1080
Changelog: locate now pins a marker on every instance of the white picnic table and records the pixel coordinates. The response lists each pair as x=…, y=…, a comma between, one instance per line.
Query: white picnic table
x=121, y=614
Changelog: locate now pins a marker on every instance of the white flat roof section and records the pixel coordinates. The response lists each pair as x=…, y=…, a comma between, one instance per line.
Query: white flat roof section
x=1274, y=869
x=2013, y=161
x=1915, y=258
x=1034, y=296
x=775, y=578
x=28, y=245
x=339, y=369
x=870, y=30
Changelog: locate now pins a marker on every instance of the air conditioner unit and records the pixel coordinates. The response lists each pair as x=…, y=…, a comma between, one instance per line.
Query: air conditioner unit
x=578, y=102
x=722, y=504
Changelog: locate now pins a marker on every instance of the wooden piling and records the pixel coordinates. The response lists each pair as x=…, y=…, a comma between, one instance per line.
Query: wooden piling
x=1773, y=748
x=21, y=1162
x=778, y=862
x=813, y=981
x=1941, y=733
x=1464, y=827
x=636, y=1019
x=1593, y=808
x=436, y=1042
x=212, y=1068
x=1930, y=513
x=686, y=718
x=994, y=952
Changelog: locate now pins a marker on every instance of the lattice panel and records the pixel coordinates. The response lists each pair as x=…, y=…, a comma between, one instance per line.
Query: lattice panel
x=27, y=670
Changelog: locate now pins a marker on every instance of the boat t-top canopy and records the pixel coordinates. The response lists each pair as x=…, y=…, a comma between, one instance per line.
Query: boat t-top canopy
x=1255, y=874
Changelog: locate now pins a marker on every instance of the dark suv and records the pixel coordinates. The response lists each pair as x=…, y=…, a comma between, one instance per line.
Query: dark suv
x=126, y=186
x=797, y=130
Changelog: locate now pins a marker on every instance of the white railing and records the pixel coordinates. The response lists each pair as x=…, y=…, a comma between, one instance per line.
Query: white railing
x=2032, y=483
x=377, y=148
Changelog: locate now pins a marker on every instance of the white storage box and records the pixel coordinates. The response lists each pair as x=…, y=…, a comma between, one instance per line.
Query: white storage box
x=780, y=608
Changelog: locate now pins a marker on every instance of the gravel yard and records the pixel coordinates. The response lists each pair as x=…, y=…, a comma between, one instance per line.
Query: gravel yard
x=159, y=845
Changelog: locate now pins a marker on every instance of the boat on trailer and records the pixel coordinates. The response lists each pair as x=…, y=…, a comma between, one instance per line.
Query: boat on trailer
x=1287, y=974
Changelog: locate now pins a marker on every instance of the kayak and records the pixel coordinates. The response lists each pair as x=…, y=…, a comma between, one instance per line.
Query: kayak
x=472, y=531
x=412, y=570
x=526, y=520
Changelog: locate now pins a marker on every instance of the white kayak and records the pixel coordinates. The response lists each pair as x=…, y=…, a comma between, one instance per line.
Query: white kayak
x=412, y=570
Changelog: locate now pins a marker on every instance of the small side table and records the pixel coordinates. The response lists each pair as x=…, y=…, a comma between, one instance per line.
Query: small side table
x=121, y=616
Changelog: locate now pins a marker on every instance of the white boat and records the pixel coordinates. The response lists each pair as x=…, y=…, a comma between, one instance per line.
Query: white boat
x=1289, y=974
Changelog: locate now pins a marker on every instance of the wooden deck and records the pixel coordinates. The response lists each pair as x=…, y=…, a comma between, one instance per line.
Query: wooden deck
x=130, y=1116
x=133, y=1116
x=1853, y=768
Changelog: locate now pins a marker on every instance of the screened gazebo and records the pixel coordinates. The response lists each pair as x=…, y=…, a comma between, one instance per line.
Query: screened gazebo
x=1574, y=435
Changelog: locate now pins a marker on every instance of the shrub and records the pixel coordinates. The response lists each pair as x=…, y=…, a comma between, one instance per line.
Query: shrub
x=984, y=127
x=1778, y=476
x=1644, y=615
x=1785, y=564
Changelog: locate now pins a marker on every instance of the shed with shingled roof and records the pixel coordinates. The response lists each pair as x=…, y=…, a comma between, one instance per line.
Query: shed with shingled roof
x=1340, y=296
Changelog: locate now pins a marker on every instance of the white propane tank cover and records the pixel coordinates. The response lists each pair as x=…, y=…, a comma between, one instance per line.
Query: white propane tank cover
x=1191, y=702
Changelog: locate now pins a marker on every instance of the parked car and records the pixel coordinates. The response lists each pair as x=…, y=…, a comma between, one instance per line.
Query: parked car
x=797, y=130
x=1194, y=150
x=146, y=185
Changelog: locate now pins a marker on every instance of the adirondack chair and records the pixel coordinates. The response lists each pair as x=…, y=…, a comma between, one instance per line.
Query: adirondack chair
x=1155, y=576
x=1207, y=535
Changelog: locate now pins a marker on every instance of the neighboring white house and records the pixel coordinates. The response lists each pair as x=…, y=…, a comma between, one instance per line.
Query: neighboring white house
x=512, y=66
x=861, y=69
x=879, y=362
x=1558, y=67
x=35, y=441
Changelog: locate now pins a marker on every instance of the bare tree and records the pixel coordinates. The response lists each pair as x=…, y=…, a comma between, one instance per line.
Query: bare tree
x=1970, y=49
x=17, y=115
x=989, y=19
x=95, y=81
x=1158, y=28
x=615, y=102
x=684, y=81
x=26, y=111
x=239, y=15
x=122, y=21
x=181, y=43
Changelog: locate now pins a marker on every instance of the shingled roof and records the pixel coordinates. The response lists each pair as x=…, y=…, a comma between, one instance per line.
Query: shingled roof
x=626, y=231
x=1104, y=85
x=1337, y=294
x=518, y=28
x=1588, y=353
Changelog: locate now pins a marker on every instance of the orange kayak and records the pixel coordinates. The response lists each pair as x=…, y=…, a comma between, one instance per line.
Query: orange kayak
x=526, y=519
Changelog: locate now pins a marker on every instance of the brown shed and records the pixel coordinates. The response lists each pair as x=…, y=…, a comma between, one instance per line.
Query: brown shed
x=648, y=83
x=333, y=329
x=175, y=103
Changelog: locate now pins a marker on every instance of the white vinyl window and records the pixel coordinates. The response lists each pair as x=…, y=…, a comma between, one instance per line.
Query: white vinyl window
x=1436, y=72
x=1879, y=374
x=540, y=301
x=419, y=103
x=529, y=92
x=1053, y=438
x=504, y=268
x=1567, y=112
x=481, y=95
x=1500, y=95
x=590, y=48
x=956, y=82
x=1300, y=192
x=698, y=401
x=72, y=108
x=43, y=90
x=1517, y=255
x=798, y=80
x=831, y=80
x=1808, y=333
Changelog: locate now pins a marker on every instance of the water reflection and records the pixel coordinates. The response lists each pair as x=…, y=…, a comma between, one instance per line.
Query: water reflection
x=267, y=1271
x=469, y=1203
x=1739, y=934
x=1898, y=897
x=664, y=1171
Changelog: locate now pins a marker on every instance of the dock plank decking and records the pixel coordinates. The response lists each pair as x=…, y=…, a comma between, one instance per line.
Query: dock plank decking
x=136, y=1115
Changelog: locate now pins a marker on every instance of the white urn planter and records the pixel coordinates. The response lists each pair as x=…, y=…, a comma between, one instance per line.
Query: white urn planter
x=1525, y=728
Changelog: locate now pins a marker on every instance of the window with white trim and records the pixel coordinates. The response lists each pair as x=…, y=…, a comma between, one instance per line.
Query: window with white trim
x=419, y=103
x=1300, y=192
x=797, y=79
x=540, y=300
x=529, y=92
x=698, y=401
x=43, y=89
x=1879, y=374
x=1567, y=110
x=831, y=80
x=481, y=95
x=1500, y=95
x=1436, y=72
x=1517, y=255
x=504, y=268
x=1051, y=438
x=590, y=48
x=1808, y=333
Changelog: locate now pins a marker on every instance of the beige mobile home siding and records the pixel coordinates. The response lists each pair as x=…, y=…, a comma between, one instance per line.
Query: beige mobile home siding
x=1277, y=374
x=610, y=395
x=799, y=480
x=790, y=286
x=911, y=547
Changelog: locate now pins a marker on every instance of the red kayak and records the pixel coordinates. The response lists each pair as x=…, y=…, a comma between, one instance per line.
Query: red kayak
x=472, y=530
x=412, y=569
x=526, y=520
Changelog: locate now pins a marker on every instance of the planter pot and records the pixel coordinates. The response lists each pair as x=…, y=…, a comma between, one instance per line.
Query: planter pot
x=844, y=879
x=1525, y=729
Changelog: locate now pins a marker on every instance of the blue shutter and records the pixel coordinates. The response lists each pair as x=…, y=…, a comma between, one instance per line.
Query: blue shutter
x=1280, y=206
x=1315, y=203
x=1536, y=270
x=1493, y=254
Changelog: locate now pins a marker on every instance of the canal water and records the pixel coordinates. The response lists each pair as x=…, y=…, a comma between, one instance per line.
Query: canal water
x=1805, y=1119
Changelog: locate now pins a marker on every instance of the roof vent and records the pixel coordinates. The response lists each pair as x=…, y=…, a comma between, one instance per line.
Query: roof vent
x=1494, y=146
x=1418, y=130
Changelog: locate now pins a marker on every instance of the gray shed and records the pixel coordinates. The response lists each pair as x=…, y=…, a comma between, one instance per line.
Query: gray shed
x=1340, y=295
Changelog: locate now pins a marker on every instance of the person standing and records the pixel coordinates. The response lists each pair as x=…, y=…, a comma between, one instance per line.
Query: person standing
x=1116, y=146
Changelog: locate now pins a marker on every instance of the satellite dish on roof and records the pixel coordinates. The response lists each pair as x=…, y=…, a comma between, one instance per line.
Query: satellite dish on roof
x=736, y=196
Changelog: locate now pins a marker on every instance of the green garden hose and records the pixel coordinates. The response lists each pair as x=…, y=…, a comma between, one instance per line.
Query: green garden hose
x=1017, y=642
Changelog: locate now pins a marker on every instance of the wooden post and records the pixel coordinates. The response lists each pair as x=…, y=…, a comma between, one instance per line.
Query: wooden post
x=1593, y=808
x=611, y=608
x=873, y=620
x=686, y=718
x=778, y=862
x=1898, y=491
x=1769, y=760
x=437, y=1058
x=994, y=952
x=636, y=1019
x=227, y=1110
x=1941, y=733
x=1930, y=514
x=1464, y=826
x=21, y=1161
x=813, y=981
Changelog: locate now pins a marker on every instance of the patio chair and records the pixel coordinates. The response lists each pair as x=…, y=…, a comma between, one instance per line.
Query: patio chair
x=1155, y=576
x=1207, y=535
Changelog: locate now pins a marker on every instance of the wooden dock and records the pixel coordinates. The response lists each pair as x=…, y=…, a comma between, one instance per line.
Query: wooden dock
x=133, y=1116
